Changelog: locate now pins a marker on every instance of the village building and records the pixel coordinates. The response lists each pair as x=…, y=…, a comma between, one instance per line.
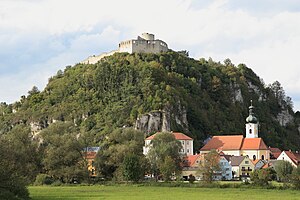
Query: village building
x=89, y=154
x=191, y=167
x=274, y=153
x=242, y=166
x=291, y=157
x=186, y=142
x=258, y=164
x=236, y=145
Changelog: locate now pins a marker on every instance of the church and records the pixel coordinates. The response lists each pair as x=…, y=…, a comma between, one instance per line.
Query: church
x=236, y=145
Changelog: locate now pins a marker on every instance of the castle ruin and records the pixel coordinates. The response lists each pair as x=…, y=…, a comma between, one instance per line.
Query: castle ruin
x=146, y=43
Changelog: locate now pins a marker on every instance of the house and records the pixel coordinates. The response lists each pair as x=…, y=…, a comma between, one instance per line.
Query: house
x=226, y=168
x=258, y=164
x=186, y=142
x=292, y=157
x=274, y=153
x=89, y=154
x=191, y=167
x=236, y=145
x=242, y=166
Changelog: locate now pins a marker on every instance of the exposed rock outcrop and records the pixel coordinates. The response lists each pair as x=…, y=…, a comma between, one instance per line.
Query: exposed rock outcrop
x=284, y=117
x=236, y=93
x=160, y=121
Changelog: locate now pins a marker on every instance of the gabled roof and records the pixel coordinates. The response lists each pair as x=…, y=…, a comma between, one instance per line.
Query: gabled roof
x=255, y=161
x=254, y=144
x=177, y=135
x=295, y=157
x=227, y=157
x=237, y=160
x=274, y=150
x=189, y=161
x=230, y=142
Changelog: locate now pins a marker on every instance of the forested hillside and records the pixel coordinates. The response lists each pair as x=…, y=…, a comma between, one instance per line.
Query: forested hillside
x=201, y=98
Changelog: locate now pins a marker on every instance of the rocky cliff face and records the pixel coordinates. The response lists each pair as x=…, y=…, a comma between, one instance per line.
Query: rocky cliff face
x=284, y=117
x=161, y=121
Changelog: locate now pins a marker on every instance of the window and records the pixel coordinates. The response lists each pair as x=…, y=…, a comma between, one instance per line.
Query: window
x=188, y=151
x=182, y=142
x=262, y=157
x=187, y=142
x=254, y=157
x=250, y=131
x=246, y=162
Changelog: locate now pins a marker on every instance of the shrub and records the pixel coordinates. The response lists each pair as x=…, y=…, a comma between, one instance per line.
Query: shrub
x=296, y=178
x=57, y=183
x=191, y=178
x=260, y=177
x=43, y=179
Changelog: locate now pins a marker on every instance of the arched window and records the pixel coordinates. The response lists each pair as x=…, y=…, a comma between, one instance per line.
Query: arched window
x=254, y=157
x=250, y=131
x=262, y=157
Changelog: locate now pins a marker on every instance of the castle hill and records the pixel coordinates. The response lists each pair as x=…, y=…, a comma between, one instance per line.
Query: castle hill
x=149, y=100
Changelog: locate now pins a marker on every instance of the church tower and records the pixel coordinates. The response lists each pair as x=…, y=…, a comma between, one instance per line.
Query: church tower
x=251, y=124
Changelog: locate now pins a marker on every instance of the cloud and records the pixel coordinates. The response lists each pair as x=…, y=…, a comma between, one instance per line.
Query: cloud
x=44, y=36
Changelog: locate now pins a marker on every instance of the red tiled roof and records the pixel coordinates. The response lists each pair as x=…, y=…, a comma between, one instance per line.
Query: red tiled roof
x=276, y=155
x=255, y=161
x=254, y=143
x=274, y=150
x=90, y=155
x=295, y=157
x=177, y=135
x=230, y=142
x=267, y=165
x=190, y=160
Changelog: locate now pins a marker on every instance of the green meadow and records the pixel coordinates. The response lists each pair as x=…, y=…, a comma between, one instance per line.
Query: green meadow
x=132, y=192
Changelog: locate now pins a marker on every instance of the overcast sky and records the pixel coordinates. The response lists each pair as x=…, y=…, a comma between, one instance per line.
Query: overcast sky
x=39, y=37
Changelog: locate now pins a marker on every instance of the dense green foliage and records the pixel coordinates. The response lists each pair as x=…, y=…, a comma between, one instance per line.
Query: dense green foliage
x=296, y=178
x=114, y=92
x=13, y=171
x=112, y=160
x=284, y=169
x=209, y=166
x=87, y=105
x=164, y=155
x=133, y=168
x=261, y=177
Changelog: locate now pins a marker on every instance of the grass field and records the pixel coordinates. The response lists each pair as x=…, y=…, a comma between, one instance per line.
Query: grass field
x=158, y=193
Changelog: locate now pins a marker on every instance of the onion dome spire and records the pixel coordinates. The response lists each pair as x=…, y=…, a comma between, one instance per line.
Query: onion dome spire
x=251, y=118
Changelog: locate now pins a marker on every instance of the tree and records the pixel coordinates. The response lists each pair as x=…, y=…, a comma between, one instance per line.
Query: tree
x=12, y=183
x=164, y=155
x=284, y=170
x=115, y=148
x=296, y=177
x=167, y=168
x=260, y=177
x=133, y=168
x=209, y=166
x=25, y=155
x=63, y=158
